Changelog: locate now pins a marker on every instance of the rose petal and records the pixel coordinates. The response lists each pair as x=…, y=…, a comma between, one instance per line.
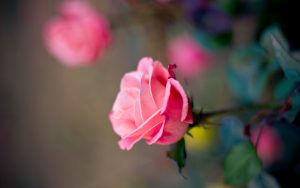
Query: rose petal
x=122, y=126
x=129, y=140
x=131, y=80
x=145, y=65
x=175, y=103
x=138, y=117
x=158, y=133
x=125, y=99
x=127, y=143
x=158, y=81
x=173, y=132
x=147, y=103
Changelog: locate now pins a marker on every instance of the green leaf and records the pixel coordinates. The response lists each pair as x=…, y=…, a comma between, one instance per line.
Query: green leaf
x=266, y=39
x=289, y=64
x=241, y=164
x=263, y=180
x=178, y=154
x=278, y=48
x=283, y=89
x=248, y=73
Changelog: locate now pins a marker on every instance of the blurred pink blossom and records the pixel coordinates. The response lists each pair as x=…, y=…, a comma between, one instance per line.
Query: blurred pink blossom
x=189, y=56
x=151, y=105
x=78, y=35
x=270, y=147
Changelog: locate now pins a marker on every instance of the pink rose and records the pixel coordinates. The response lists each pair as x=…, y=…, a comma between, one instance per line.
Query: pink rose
x=189, y=56
x=150, y=105
x=79, y=35
x=270, y=147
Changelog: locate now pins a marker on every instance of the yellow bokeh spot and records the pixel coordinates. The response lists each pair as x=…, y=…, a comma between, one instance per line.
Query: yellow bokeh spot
x=202, y=137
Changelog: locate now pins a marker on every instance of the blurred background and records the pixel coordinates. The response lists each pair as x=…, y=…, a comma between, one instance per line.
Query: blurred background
x=54, y=127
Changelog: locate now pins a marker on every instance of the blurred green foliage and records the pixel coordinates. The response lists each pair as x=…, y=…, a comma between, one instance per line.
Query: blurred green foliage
x=241, y=164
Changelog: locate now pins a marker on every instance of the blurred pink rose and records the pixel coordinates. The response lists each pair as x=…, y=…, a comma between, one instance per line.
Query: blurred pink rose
x=150, y=105
x=270, y=147
x=189, y=56
x=79, y=35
